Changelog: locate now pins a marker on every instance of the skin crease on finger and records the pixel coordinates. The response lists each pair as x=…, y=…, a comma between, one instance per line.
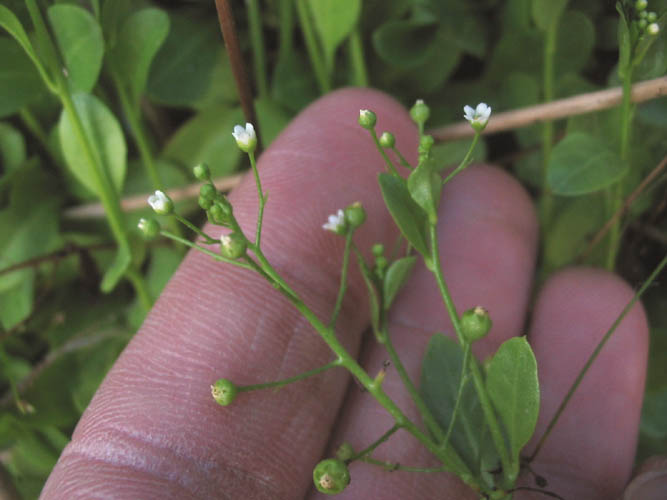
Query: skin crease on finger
x=153, y=430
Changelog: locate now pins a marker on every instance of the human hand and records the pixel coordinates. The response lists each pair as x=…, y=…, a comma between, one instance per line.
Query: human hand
x=153, y=430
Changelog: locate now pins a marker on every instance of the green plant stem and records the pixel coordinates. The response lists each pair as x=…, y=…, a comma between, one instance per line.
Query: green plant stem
x=286, y=28
x=314, y=51
x=206, y=251
x=401, y=158
x=430, y=421
x=257, y=43
x=392, y=466
x=546, y=200
x=343, y=279
x=281, y=383
x=389, y=163
x=462, y=382
x=33, y=125
x=594, y=355
x=262, y=198
x=466, y=160
x=356, y=51
x=195, y=229
x=617, y=190
x=369, y=449
x=484, y=400
x=141, y=288
x=450, y=458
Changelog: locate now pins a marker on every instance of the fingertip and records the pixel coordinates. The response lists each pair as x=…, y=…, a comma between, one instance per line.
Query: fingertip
x=591, y=448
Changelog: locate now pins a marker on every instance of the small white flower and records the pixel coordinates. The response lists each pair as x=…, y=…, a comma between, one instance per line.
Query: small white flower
x=653, y=29
x=226, y=241
x=246, y=139
x=336, y=222
x=478, y=116
x=161, y=203
x=143, y=224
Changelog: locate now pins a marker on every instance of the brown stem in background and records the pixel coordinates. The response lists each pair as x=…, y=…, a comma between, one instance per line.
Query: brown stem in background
x=622, y=209
x=228, y=29
x=562, y=108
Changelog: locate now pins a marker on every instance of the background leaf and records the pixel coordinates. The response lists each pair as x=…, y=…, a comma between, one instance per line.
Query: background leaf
x=581, y=164
x=139, y=38
x=20, y=83
x=406, y=44
x=547, y=12
x=334, y=20
x=104, y=133
x=515, y=392
x=79, y=38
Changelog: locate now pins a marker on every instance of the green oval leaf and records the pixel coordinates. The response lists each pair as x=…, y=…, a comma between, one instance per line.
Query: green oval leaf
x=406, y=44
x=104, y=135
x=140, y=37
x=425, y=185
x=334, y=21
x=14, y=27
x=12, y=148
x=439, y=386
x=582, y=164
x=515, y=392
x=397, y=274
x=79, y=38
x=409, y=217
x=181, y=71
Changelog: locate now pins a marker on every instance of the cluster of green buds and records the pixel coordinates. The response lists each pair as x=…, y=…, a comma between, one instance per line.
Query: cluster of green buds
x=646, y=19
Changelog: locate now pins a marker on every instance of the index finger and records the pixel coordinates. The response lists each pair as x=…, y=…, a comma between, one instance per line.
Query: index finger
x=153, y=430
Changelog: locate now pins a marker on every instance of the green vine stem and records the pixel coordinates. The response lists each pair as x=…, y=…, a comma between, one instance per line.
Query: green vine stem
x=392, y=466
x=369, y=449
x=281, y=383
x=286, y=28
x=257, y=43
x=546, y=199
x=510, y=471
x=594, y=355
x=390, y=165
x=343, y=279
x=466, y=160
x=262, y=198
x=314, y=52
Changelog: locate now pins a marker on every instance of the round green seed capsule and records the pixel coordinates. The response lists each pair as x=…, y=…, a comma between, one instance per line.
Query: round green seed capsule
x=387, y=140
x=224, y=391
x=233, y=245
x=150, y=228
x=420, y=112
x=475, y=324
x=208, y=191
x=331, y=476
x=205, y=203
x=202, y=172
x=355, y=215
x=641, y=4
x=651, y=17
x=367, y=118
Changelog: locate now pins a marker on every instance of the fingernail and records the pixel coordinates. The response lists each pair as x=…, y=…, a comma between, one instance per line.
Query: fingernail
x=651, y=483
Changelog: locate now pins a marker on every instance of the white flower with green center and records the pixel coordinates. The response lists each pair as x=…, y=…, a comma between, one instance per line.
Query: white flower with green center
x=477, y=117
x=161, y=203
x=336, y=223
x=246, y=138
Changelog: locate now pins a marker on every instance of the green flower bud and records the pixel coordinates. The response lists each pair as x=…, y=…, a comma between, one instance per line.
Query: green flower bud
x=642, y=24
x=149, y=227
x=387, y=140
x=220, y=213
x=224, y=391
x=425, y=144
x=420, y=112
x=651, y=17
x=208, y=191
x=475, y=324
x=355, y=215
x=643, y=14
x=202, y=172
x=233, y=246
x=381, y=264
x=345, y=452
x=641, y=4
x=378, y=250
x=331, y=476
x=205, y=203
x=367, y=119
